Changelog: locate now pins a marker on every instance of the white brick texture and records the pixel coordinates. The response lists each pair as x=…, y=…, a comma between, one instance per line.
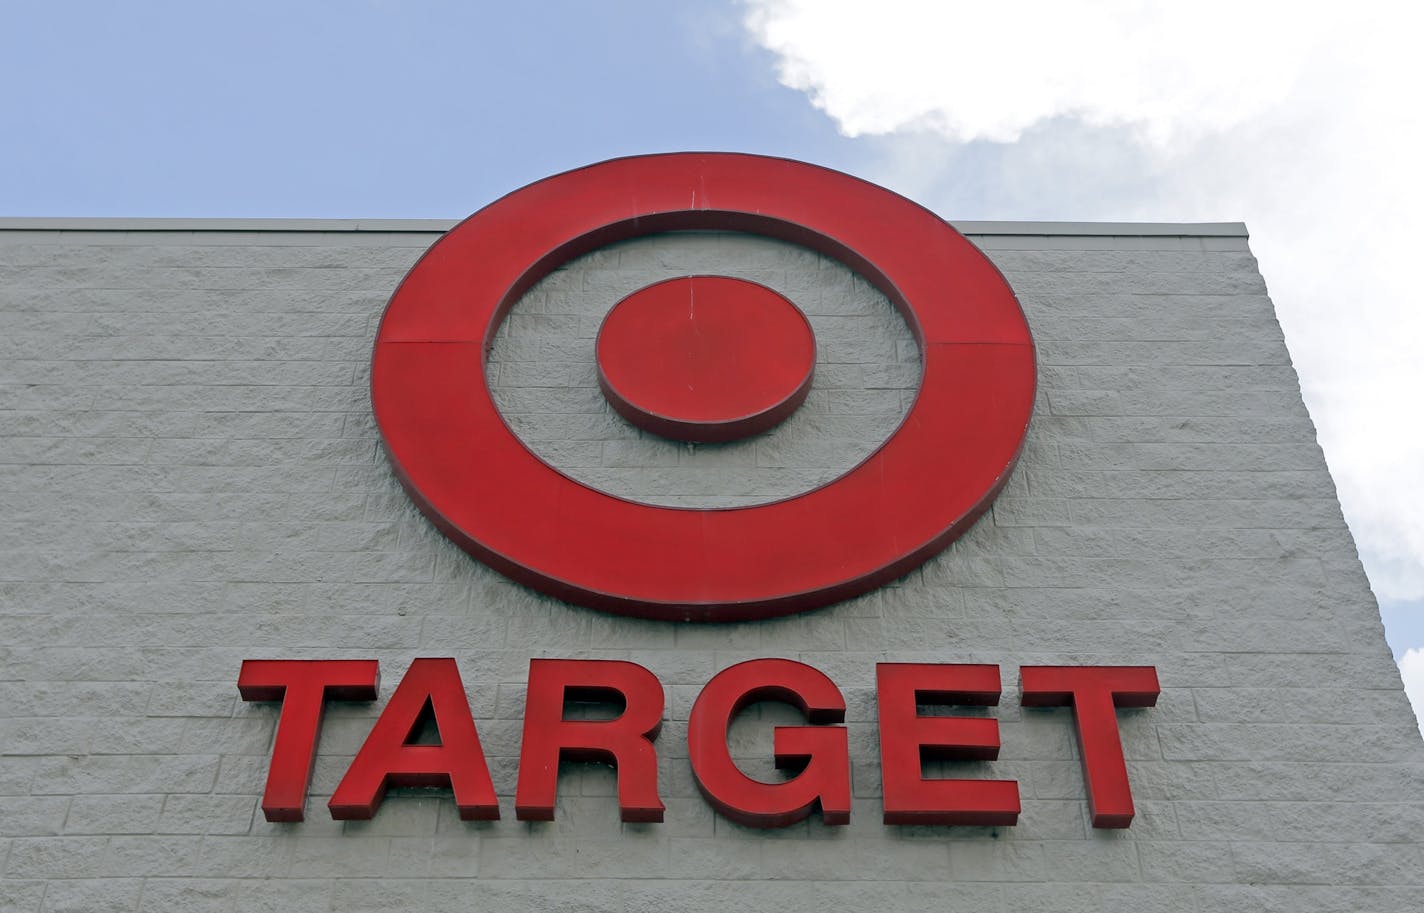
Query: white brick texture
x=190, y=476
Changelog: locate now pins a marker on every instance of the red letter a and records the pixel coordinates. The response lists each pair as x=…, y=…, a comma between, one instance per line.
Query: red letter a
x=388, y=759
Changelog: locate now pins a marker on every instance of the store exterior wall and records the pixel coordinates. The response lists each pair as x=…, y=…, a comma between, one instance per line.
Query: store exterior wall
x=190, y=476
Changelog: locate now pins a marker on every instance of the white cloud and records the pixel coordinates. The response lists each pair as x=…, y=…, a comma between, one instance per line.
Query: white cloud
x=1301, y=119
x=1411, y=666
x=991, y=71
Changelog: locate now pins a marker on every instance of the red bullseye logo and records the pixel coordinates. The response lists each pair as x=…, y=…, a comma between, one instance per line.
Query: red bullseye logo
x=703, y=358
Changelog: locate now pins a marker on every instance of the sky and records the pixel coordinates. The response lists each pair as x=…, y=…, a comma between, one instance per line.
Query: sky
x=1300, y=119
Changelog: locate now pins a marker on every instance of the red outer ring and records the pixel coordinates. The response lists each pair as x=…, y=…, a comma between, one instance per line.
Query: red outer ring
x=485, y=490
x=708, y=431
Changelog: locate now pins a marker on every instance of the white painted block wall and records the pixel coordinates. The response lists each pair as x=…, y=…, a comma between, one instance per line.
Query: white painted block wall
x=190, y=476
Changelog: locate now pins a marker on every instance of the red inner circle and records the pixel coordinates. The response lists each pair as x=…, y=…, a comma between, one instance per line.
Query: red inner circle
x=705, y=357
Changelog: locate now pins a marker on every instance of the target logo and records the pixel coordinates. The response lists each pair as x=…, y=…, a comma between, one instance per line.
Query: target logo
x=703, y=358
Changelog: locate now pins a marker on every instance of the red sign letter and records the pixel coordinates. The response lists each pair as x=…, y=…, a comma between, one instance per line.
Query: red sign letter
x=303, y=686
x=822, y=750
x=906, y=738
x=1093, y=692
x=387, y=758
x=625, y=742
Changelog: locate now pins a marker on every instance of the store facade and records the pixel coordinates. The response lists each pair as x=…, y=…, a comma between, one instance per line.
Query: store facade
x=194, y=478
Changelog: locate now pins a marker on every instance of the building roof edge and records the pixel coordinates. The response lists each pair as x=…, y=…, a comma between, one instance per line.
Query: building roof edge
x=431, y=226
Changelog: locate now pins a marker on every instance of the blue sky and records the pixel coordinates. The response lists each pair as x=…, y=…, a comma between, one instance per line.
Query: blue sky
x=1300, y=124
x=370, y=109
